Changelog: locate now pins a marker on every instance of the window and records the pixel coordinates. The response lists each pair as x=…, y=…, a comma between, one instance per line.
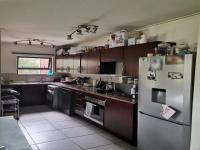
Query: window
x=34, y=65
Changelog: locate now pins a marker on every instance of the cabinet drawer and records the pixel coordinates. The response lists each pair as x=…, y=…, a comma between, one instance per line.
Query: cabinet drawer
x=78, y=95
x=79, y=106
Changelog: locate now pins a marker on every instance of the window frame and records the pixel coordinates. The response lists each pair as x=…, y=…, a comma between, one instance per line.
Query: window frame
x=50, y=65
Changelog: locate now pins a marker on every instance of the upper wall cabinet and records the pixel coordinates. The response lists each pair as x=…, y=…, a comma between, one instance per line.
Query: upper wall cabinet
x=65, y=64
x=84, y=63
x=93, y=62
x=89, y=62
x=112, y=54
x=68, y=64
x=132, y=55
x=77, y=63
x=59, y=64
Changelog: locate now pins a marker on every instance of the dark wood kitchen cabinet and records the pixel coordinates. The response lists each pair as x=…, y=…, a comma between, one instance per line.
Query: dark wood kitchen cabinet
x=79, y=103
x=68, y=64
x=112, y=54
x=121, y=119
x=93, y=62
x=34, y=94
x=30, y=94
x=132, y=55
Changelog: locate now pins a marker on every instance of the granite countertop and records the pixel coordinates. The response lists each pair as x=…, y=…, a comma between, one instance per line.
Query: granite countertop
x=92, y=90
x=76, y=87
x=27, y=83
x=11, y=135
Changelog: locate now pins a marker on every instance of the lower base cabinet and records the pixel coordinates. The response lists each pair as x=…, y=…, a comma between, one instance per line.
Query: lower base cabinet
x=30, y=94
x=120, y=119
x=79, y=103
x=33, y=94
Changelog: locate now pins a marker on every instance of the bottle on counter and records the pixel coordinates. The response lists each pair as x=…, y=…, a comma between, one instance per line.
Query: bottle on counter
x=134, y=89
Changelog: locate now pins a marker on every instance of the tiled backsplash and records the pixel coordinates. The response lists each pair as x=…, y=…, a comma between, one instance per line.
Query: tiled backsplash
x=111, y=78
x=35, y=78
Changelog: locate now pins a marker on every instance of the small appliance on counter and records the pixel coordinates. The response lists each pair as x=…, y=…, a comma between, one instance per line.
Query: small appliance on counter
x=110, y=87
x=101, y=87
x=81, y=80
x=69, y=80
x=134, y=89
x=123, y=89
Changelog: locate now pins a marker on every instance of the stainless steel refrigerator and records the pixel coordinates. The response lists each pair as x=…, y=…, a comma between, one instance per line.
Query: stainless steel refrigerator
x=165, y=81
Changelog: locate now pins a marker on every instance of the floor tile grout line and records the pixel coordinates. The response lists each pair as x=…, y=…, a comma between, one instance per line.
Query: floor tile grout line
x=91, y=147
x=62, y=140
x=41, y=132
x=80, y=135
x=70, y=138
x=52, y=141
x=27, y=133
x=99, y=146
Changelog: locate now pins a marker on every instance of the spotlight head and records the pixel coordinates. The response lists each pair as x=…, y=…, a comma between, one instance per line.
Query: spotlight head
x=15, y=42
x=69, y=37
x=94, y=29
x=29, y=42
x=87, y=29
x=79, y=32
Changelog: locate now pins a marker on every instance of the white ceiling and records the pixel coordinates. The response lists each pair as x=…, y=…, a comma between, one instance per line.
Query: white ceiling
x=52, y=20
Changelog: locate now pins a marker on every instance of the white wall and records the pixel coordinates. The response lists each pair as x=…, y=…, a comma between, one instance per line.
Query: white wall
x=9, y=60
x=181, y=29
x=195, y=142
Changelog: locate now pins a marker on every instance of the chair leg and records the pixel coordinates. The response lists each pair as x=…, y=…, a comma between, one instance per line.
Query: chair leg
x=2, y=110
x=18, y=111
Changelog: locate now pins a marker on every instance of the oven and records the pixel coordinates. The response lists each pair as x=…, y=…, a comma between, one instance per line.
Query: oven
x=94, y=110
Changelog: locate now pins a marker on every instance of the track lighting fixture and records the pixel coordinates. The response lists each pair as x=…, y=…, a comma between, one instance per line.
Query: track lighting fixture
x=81, y=28
x=79, y=32
x=87, y=29
x=35, y=41
x=69, y=37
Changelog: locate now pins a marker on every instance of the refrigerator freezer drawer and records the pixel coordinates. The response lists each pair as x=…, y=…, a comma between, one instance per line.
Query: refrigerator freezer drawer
x=157, y=134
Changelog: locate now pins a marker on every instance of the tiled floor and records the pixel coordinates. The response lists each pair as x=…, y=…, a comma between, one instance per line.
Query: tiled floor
x=46, y=129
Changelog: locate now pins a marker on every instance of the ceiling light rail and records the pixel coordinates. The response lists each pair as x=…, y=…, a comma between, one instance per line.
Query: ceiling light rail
x=37, y=41
x=83, y=28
